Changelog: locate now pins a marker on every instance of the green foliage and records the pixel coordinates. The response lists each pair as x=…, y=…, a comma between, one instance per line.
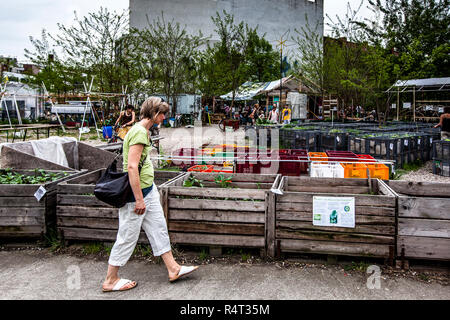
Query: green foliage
x=40, y=177
x=193, y=182
x=93, y=248
x=204, y=255
x=222, y=181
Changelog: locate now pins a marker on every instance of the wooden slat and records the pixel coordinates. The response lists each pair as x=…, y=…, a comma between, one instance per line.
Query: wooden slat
x=90, y=223
x=217, y=240
x=366, y=229
x=360, y=200
x=241, y=185
x=328, y=189
x=328, y=182
x=429, y=208
x=333, y=237
x=217, y=216
x=238, y=177
x=71, y=200
x=87, y=212
x=76, y=189
x=424, y=228
x=270, y=223
x=326, y=247
x=217, y=228
x=21, y=190
x=359, y=210
x=218, y=193
x=86, y=178
x=431, y=189
x=424, y=247
x=360, y=219
x=95, y=234
x=24, y=212
x=21, y=231
x=21, y=202
x=21, y=221
x=226, y=205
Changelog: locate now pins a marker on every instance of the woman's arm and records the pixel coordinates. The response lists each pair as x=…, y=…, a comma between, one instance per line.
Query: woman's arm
x=118, y=119
x=441, y=120
x=132, y=120
x=134, y=156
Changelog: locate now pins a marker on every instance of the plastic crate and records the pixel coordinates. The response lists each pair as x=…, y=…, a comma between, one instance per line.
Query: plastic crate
x=441, y=150
x=201, y=168
x=289, y=168
x=378, y=171
x=355, y=170
x=365, y=158
x=248, y=165
x=300, y=139
x=218, y=169
x=318, y=156
x=441, y=167
x=326, y=170
x=342, y=156
x=183, y=153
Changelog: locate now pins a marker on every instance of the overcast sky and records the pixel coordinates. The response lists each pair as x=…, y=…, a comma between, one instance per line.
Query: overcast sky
x=20, y=19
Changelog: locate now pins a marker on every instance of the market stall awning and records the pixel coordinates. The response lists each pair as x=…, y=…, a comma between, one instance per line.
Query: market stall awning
x=418, y=85
x=249, y=89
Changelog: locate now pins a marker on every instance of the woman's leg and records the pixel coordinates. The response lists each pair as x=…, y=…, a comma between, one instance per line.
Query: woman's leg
x=127, y=237
x=155, y=227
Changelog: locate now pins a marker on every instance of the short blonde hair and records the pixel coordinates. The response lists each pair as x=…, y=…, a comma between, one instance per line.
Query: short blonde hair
x=152, y=107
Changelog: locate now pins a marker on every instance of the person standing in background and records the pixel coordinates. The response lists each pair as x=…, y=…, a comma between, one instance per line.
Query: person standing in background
x=444, y=123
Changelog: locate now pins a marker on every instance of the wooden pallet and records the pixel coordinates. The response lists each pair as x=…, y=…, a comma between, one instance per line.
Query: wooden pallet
x=21, y=215
x=220, y=217
x=423, y=220
x=81, y=216
x=374, y=232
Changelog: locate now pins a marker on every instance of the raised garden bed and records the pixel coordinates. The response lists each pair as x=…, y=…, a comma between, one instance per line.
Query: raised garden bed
x=374, y=231
x=21, y=214
x=226, y=214
x=81, y=216
x=423, y=220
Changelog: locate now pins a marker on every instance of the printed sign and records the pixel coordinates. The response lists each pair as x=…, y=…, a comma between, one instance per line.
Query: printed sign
x=406, y=105
x=334, y=212
x=40, y=193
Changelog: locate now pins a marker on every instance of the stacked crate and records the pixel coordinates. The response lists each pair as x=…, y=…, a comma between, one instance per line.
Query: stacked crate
x=441, y=158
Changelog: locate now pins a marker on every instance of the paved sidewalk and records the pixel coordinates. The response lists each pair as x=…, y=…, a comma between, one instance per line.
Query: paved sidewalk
x=42, y=275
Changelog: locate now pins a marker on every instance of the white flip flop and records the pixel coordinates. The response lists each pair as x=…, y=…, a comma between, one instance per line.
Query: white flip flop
x=183, y=271
x=120, y=284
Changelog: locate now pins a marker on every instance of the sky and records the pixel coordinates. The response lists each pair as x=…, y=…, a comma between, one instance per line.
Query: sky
x=20, y=19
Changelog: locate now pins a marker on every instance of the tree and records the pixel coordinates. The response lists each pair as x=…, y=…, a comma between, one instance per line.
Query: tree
x=173, y=55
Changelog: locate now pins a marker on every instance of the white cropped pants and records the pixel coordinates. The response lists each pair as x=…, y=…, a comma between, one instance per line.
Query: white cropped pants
x=152, y=221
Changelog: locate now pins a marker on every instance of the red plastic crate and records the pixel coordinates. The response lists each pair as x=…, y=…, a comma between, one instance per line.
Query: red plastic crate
x=248, y=165
x=201, y=168
x=342, y=156
x=288, y=168
x=185, y=152
x=365, y=158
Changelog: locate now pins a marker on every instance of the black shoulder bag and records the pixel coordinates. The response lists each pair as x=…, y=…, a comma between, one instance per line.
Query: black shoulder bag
x=114, y=187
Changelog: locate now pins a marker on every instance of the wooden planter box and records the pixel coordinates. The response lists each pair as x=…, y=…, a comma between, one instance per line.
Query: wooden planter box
x=423, y=220
x=220, y=217
x=21, y=214
x=374, y=232
x=81, y=216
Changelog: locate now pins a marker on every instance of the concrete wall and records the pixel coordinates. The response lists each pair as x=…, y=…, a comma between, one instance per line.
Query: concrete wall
x=273, y=17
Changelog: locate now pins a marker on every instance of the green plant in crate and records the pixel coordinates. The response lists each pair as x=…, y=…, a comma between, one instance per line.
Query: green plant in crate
x=222, y=181
x=40, y=176
x=193, y=182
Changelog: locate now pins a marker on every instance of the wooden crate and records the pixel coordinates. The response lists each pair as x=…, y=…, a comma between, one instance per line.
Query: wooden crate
x=374, y=232
x=220, y=217
x=21, y=215
x=81, y=216
x=423, y=220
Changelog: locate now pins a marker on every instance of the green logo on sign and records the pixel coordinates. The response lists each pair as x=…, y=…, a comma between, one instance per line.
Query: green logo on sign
x=317, y=217
x=347, y=208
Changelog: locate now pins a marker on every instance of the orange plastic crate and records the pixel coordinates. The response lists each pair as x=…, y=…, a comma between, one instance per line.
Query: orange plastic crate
x=378, y=171
x=355, y=170
x=318, y=156
x=201, y=168
x=365, y=158
x=223, y=169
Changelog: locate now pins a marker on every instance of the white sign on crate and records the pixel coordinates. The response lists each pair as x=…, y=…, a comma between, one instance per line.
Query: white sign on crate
x=40, y=193
x=334, y=211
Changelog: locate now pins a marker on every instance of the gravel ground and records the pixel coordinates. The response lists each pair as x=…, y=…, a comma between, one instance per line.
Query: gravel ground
x=424, y=174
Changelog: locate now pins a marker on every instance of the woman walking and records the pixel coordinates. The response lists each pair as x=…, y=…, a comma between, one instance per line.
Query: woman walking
x=144, y=208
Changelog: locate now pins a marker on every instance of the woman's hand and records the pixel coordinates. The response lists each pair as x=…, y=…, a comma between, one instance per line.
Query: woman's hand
x=139, y=207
